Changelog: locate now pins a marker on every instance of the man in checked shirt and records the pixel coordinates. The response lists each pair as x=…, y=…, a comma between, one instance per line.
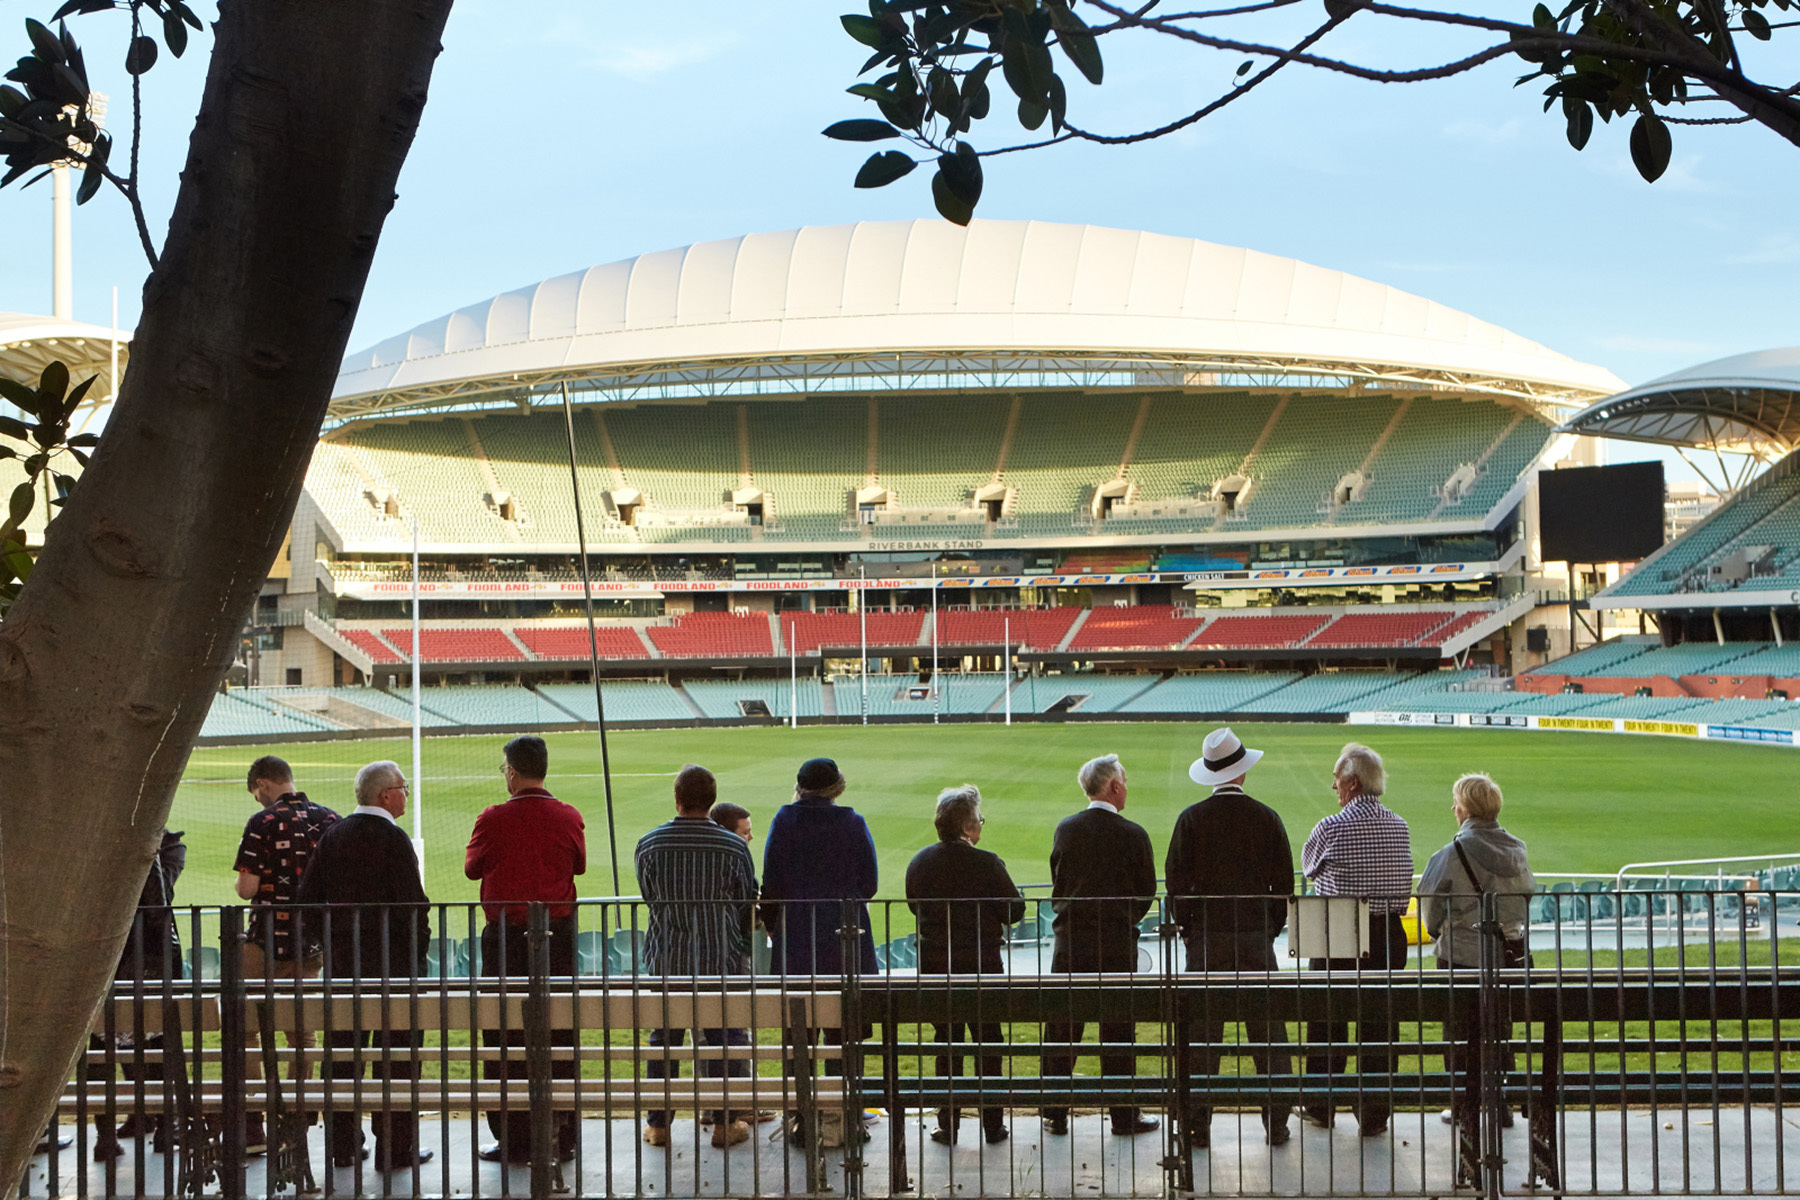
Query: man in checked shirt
x=1362, y=850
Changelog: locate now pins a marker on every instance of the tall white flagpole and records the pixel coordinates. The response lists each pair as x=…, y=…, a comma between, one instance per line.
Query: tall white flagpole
x=1006, y=663
x=793, y=681
x=936, y=704
x=418, y=771
x=862, y=610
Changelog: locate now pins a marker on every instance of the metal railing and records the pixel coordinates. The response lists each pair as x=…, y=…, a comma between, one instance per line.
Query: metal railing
x=556, y=1047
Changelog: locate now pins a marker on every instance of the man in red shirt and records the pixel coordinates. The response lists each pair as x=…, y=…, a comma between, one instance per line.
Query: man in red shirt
x=527, y=850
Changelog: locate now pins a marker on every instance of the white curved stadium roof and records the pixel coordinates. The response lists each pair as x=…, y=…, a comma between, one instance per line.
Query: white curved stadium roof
x=1747, y=403
x=841, y=306
x=29, y=343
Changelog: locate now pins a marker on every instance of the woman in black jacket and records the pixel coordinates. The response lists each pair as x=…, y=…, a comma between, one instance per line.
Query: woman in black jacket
x=964, y=901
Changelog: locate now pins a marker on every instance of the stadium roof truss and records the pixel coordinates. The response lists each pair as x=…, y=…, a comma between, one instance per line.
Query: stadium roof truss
x=30, y=343
x=945, y=370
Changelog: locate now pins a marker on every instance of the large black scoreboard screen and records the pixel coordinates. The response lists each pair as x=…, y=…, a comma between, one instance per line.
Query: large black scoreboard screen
x=1601, y=514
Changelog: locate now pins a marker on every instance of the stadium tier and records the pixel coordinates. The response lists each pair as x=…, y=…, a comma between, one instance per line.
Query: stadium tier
x=626, y=700
x=714, y=635
x=1259, y=632
x=727, y=699
x=840, y=469
x=371, y=643
x=1029, y=628
x=570, y=642
x=458, y=645
x=1380, y=629
x=806, y=632
x=1212, y=692
x=1749, y=544
x=1134, y=627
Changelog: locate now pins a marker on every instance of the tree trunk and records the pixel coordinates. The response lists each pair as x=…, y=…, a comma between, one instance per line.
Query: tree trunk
x=132, y=615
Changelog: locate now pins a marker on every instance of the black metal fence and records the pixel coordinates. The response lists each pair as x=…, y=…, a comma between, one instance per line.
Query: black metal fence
x=1643, y=1051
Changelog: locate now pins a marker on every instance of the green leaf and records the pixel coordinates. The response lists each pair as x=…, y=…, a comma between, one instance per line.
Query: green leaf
x=83, y=439
x=1756, y=25
x=14, y=429
x=141, y=56
x=175, y=32
x=870, y=91
x=23, y=398
x=949, y=205
x=961, y=170
x=80, y=457
x=24, y=494
x=883, y=168
x=866, y=30
x=1059, y=103
x=1581, y=123
x=1542, y=20
x=1245, y=67
x=91, y=179
x=1032, y=114
x=861, y=131
x=1650, y=146
x=46, y=44
x=8, y=452
x=1082, y=47
x=52, y=383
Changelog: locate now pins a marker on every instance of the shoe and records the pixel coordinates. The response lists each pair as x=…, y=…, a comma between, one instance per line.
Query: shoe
x=995, y=1134
x=63, y=1142
x=1277, y=1135
x=406, y=1161
x=491, y=1153
x=944, y=1137
x=1200, y=1139
x=1374, y=1128
x=1318, y=1114
x=350, y=1160
x=256, y=1138
x=727, y=1133
x=106, y=1148
x=131, y=1127
x=1449, y=1118
x=1137, y=1126
x=656, y=1135
x=1057, y=1125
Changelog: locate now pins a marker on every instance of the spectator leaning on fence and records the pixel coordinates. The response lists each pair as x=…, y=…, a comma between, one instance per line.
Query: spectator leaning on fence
x=1482, y=857
x=1229, y=872
x=524, y=851
x=1103, y=877
x=819, y=872
x=700, y=883
x=271, y=861
x=964, y=900
x=1362, y=850
x=376, y=926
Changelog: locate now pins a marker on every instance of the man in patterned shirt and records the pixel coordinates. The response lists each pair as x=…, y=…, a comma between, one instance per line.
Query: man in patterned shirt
x=277, y=844
x=700, y=882
x=1362, y=850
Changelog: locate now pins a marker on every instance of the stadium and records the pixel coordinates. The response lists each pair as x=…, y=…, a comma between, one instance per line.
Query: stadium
x=1070, y=490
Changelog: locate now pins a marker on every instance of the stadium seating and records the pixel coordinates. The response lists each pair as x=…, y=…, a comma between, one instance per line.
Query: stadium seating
x=892, y=696
x=1765, y=513
x=1138, y=626
x=626, y=700
x=805, y=632
x=1607, y=658
x=933, y=451
x=1316, y=440
x=397, y=704
x=1689, y=658
x=1189, y=443
x=439, y=645
x=1646, y=708
x=1105, y=562
x=718, y=698
x=1458, y=624
x=503, y=706
x=1029, y=628
x=1779, y=661
x=714, y=635
x=1211, y=692
x=1324, y=692
x=1380, y=629
x=809, y=457
x=370, y=643
x=1401, y=486
x=1254, y=632
x=237, y=714
x=571, y=641
x=1104, y=693
x=1065, y=444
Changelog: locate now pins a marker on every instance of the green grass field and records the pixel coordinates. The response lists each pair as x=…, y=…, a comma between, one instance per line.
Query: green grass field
x=1584, y=802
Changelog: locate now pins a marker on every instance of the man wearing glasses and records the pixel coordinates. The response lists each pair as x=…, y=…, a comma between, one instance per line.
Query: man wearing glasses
x=524, y=851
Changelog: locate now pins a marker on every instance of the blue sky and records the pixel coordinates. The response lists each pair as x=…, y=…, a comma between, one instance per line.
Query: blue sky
x=570, y=132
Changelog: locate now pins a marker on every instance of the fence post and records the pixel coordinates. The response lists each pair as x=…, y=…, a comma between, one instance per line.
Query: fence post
x=233, y=1039
x=1493, y=1095
x=850, y=942
x=537, y=1049
x=1178, y=1067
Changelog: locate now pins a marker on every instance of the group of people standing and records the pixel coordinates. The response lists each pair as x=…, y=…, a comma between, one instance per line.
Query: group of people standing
x=1229, y=873
x=313, y=878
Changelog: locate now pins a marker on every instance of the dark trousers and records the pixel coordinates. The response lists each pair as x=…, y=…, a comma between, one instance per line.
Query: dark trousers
x=1120, y=957
x=1374, y=1056
x=670, y=1068
x=1463, y=1031
x=396, y=1127
x=508, y=956
x=1253, y=952
x=953, y=1037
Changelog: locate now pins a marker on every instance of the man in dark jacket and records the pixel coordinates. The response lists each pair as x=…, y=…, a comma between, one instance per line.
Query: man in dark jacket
x=964, y=900
x=1103, y=875
x=1229, y=873
x=377, y=929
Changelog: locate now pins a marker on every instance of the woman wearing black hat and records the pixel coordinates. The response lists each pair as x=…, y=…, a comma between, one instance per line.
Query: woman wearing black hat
x=818, y=873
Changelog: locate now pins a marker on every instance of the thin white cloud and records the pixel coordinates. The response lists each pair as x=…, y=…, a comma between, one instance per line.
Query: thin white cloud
x=1777, y=248
x=1639, y=344
x=645, y=58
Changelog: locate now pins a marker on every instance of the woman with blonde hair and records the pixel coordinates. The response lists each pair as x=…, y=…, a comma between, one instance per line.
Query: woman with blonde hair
x=1482, y=858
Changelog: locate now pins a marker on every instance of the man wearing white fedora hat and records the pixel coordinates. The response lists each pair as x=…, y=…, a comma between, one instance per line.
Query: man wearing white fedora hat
x=1230, y=871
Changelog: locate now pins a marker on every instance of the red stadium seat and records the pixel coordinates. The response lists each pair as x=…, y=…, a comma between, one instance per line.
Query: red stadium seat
x=370, y=643
x=1259, y=632
x=1136, y=627
x=807, y=631
x=1379, y=629
x=571, y=641
x=714, y=635
x=459, y=645
x=1029, y=628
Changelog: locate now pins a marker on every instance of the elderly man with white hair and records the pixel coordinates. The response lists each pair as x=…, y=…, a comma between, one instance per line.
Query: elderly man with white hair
x=1103, y=876
x=1362, y=850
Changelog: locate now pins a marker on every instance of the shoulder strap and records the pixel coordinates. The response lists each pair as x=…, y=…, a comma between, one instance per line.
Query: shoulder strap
x=1474, y=882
